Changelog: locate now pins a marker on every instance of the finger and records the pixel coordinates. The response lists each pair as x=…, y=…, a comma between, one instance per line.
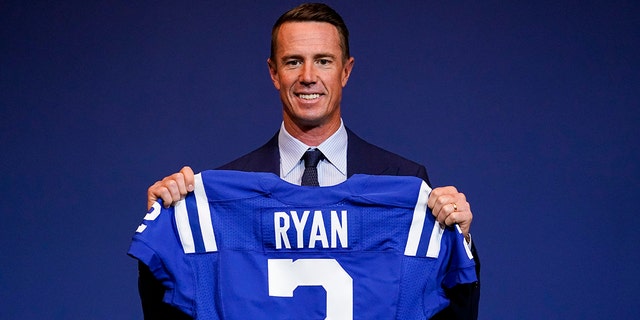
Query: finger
x=462, y=219
x=172, y=188
x=454, y=210
x=447, y=213
x=442, y=207
x=459, y=217
x=189, y=178
x=158, y=191
x=176, y=188
x=176, y=184
x=438, y=192
x=152, y=196
x=445, y=196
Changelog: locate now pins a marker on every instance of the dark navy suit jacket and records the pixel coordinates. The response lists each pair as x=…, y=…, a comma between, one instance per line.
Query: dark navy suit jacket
x=362, y=158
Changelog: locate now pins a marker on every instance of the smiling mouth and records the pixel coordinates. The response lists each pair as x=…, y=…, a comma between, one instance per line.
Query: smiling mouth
x=310, y=96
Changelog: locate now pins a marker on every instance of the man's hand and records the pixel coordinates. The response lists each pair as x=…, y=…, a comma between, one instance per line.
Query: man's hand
x=171, y=189
x=450, y=207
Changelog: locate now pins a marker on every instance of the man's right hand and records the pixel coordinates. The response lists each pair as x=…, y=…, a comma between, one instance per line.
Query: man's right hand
x=172, y=188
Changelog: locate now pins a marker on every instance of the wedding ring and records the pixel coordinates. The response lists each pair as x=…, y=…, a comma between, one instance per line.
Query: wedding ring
x=455, y=207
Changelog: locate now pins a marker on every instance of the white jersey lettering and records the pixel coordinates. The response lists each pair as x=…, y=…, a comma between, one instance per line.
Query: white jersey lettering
x=313, y=235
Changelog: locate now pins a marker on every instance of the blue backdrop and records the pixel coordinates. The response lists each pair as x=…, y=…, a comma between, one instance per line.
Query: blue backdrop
x=531, y=108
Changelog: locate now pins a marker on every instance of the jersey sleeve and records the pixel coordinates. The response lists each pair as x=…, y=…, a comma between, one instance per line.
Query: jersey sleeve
x=461, y=267
x=157, y=245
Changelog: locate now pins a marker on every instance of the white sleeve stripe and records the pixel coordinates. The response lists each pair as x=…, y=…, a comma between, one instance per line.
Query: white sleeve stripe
x=466, y=247
x=184, y=228
x=419, y=215
x=204, y=215
x=434, y=242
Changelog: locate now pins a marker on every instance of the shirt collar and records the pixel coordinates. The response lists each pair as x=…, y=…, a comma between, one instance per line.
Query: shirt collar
x=292, y=149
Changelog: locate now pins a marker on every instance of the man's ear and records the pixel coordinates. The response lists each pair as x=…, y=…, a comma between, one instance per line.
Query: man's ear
x=346, y=72
x=273, y=72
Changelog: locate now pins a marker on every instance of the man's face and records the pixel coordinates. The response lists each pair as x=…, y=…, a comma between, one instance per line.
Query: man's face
x=309, y=71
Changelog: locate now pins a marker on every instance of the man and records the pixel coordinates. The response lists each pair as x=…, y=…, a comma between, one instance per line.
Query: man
x=309, y=65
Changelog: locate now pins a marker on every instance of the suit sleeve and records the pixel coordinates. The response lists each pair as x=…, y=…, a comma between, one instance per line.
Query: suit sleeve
x=151, y=293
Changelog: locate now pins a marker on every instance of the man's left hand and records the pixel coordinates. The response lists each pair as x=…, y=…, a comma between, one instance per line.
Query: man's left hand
x=450, y=207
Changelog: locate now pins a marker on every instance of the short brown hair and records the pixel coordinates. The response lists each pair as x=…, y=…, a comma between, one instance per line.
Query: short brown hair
x=314, y=12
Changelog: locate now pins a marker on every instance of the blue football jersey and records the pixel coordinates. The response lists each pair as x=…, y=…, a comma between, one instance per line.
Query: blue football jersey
x=253, y=246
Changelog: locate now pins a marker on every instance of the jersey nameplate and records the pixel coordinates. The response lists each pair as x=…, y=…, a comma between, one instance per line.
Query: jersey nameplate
x=299, y=229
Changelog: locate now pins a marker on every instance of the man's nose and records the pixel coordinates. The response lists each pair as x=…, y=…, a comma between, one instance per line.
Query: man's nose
x=307, y=75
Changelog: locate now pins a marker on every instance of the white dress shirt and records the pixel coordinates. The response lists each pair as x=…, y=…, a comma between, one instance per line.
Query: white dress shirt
x=332, y=169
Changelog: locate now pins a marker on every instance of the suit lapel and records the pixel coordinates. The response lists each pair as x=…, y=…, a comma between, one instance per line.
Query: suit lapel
x=365, y=158
x=264, y=159
x=267, y=157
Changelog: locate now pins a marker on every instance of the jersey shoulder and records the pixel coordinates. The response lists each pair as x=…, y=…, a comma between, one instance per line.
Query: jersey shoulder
x=224, y=185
